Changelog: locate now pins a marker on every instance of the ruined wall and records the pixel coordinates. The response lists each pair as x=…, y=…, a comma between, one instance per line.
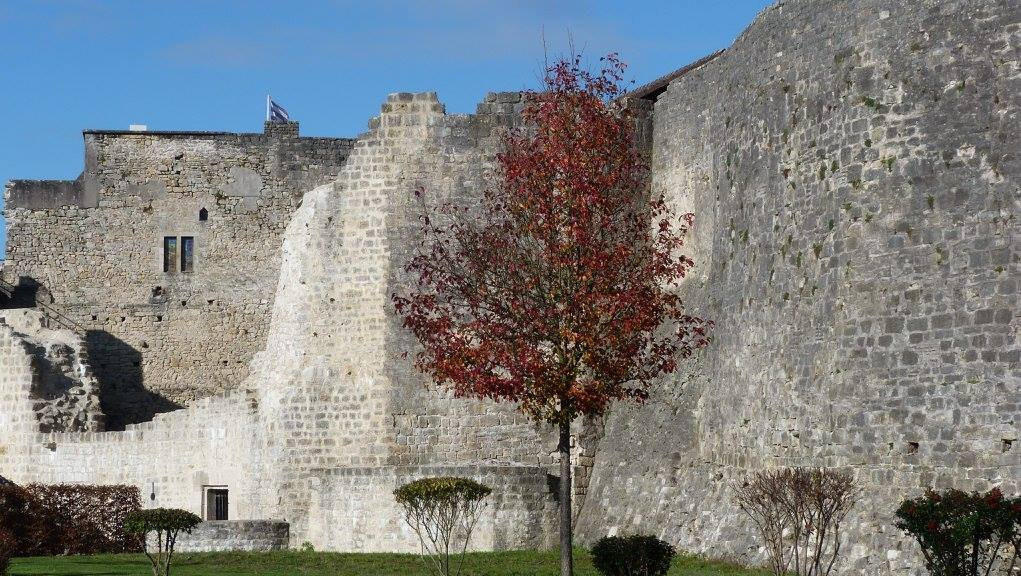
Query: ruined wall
x=214, y=442
x=335, y=416
x=47, y=383
x=853, y=169
x=160, y=339
x=337, y=391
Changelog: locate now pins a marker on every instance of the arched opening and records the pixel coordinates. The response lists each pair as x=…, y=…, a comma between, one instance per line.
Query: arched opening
x=203, y=215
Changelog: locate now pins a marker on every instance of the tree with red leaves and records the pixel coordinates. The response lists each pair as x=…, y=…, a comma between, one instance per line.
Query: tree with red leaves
x=558, y=291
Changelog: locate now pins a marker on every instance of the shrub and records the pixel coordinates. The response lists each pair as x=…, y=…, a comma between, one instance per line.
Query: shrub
x=8, y=545
x=442, y=511
x=30, y=528
x=798, y=513
x=89, y=519
x=165, y=524
x=67, y=518
x=964, y=534
x=632, y=556
x=13, y=510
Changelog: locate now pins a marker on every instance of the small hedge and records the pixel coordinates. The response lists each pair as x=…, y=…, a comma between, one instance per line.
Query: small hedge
x=442, y=511
x=632, y=556
x=7, y=544
x=442, y=489
x=141, y=522
x=165, y=524
x=45, y=520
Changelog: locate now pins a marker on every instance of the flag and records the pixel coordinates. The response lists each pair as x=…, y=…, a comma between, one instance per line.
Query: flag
x=277, y=113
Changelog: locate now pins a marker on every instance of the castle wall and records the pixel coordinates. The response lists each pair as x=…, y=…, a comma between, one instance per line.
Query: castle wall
x=215, y=442
x=338, y=392
x=853, y=171
x=160, y=339
x=354, y=508
x=336, y=416
x=59, y=385
x=17, y=415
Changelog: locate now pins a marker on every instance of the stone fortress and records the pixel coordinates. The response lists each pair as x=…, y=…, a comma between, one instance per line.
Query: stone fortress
x=207, y=315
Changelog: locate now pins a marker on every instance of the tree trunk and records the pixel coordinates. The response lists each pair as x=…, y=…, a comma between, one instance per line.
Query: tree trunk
x=566, y=529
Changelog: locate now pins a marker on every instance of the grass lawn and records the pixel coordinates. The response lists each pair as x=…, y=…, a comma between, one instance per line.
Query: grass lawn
x=518, y=563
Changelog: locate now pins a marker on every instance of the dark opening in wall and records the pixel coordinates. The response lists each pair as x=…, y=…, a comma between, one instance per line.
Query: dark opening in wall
x=216, y=505
x=1006, y=444
x=912, y=447
x=203, y=215
x=169, y=253
x=187, y=254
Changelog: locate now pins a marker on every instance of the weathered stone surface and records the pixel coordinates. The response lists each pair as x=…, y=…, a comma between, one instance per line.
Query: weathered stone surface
x=332, y=404
x=853, y=171
x=159, y=340
x=354, y=508
x=235, y=535
x=46, y=372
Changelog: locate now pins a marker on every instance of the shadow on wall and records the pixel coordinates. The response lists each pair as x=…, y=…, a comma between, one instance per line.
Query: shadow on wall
x=24, y=294
x=52, y=379
x=118, y=368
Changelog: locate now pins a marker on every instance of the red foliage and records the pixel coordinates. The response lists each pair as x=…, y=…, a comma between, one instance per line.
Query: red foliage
x=558, y=292
x=7, y=548
x=68, y=518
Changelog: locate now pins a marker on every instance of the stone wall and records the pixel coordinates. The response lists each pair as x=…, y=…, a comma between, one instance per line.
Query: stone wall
x=92, y=249
x=46, y=377
x=214, y=442
x=338, y=391
x=225, y=535
x=853, y=169
x=354, y=508
x=334, y=415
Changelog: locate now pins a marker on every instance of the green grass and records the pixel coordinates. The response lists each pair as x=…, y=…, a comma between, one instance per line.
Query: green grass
x=293, y=563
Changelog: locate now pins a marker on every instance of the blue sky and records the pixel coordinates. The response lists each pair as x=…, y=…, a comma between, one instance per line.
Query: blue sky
x=68, y=65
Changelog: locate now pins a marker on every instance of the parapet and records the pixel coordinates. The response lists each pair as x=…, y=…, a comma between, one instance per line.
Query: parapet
x=83, y=192
x=46, y=194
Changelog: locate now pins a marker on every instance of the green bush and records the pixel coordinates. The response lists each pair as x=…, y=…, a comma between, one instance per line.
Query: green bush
x=964, y=534
x=443, y=512
x=441, y=489
x=632, y=556
x=164, y=524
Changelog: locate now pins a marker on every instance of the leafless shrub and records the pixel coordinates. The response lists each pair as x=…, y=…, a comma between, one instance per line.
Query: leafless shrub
x=798, y=513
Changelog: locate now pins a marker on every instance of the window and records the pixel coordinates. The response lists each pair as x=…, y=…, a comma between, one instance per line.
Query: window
x=170, y=254
x=203, y=215
x=216, y=505
x=187, y=254
x=179, y=254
